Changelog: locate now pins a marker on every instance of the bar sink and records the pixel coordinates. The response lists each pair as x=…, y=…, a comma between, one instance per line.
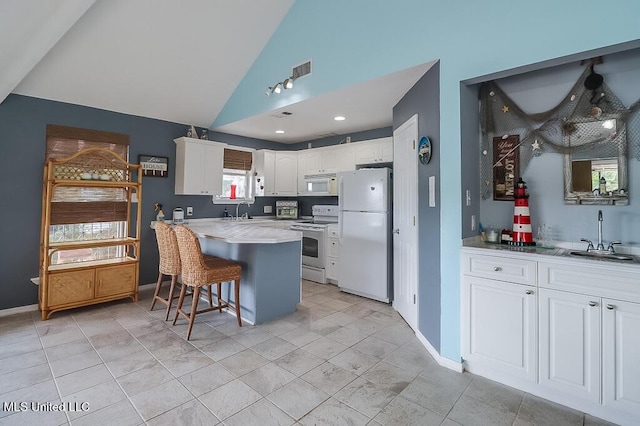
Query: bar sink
x=602, y=255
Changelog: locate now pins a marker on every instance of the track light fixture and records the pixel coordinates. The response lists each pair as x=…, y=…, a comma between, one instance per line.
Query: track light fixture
x=277, y=88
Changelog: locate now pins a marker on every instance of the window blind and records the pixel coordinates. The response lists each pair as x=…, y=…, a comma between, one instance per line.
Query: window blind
x=86, y=205
x=236, y=159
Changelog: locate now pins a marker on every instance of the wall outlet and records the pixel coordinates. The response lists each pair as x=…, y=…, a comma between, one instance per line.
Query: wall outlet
x=267, y=209
x=189, y=211
x=473, y=222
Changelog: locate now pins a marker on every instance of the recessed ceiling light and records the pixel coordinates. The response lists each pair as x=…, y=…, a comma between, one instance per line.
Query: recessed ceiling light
x=339, y=118
x=279, y=131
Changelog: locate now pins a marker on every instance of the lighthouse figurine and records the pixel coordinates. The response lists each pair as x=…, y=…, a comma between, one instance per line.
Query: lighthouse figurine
x=522, y=234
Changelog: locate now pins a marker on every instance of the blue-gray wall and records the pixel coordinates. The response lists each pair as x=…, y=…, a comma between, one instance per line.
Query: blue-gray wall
x=539, y=91
x=23, y=122
x=424, y=99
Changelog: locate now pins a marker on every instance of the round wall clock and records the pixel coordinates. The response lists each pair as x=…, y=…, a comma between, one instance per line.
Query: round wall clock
x=424, y=150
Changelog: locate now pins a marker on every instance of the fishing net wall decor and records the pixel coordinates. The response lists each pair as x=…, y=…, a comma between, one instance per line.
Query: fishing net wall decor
x=556, y=130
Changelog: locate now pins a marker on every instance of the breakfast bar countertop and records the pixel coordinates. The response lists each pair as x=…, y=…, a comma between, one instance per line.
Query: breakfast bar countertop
x=244, y=233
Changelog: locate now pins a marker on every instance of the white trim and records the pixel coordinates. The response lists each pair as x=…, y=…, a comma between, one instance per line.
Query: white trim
x=18, y=310
x=445, y=362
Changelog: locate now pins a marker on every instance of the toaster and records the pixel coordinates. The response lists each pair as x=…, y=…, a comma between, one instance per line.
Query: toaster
x=178, y=216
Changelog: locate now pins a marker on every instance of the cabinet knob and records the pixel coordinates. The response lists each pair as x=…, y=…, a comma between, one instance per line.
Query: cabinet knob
x=529, y=292
x=592, y=303
x=610, y=307
x=497, y=268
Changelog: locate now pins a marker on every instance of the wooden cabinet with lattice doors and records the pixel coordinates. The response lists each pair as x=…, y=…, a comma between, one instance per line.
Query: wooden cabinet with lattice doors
x=90, y=247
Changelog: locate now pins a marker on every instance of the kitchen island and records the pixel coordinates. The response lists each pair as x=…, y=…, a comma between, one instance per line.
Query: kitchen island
x=271, y=265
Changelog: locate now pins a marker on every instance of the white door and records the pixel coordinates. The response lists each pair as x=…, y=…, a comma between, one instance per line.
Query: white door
x=405, y=221
x=570, y=343
x=499, y=327
x=621, y=353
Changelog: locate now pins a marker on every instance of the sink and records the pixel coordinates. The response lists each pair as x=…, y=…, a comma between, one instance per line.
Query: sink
x=602, y=255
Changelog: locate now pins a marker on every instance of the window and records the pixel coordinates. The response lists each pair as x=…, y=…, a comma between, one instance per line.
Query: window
x=86, y=232
x=237, y=176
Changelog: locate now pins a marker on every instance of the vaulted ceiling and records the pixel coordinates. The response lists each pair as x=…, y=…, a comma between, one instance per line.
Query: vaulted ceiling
x=169, y=60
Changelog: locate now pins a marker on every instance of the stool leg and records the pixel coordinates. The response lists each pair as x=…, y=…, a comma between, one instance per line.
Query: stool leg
x=183, y=290
x=220, y=297
x=210, y=299
x=236, y=285
x=194, y=310
x=155, y=294
x=174, y=278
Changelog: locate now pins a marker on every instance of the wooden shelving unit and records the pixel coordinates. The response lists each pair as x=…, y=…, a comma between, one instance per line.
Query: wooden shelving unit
x=70, y=285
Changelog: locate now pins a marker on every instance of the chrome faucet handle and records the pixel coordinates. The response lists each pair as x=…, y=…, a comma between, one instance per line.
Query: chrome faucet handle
x=611, y=244
x=590, y=246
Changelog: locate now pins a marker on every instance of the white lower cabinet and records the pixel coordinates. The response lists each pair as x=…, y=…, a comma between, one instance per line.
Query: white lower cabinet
x=500, y=333
x=333, y=253
x=621, y=356
x=570, y=343
x=564, y=329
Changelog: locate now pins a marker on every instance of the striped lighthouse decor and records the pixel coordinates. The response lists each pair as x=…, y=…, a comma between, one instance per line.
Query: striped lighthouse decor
x=522, y=234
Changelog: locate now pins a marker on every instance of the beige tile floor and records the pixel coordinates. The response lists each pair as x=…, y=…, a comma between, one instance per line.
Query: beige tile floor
x=339, y=360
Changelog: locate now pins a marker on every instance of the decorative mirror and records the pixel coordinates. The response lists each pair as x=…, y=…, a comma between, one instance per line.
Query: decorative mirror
x=595, y=161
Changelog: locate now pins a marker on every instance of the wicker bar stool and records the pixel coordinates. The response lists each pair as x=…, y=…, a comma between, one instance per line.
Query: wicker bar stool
x=199, y=270
x=169, y=263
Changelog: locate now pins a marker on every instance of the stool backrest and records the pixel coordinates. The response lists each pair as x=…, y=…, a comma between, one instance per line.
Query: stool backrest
x=168, y=249
x=193, y=266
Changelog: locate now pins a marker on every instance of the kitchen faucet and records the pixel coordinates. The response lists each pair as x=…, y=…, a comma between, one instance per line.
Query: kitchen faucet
x=246, y=215
x=600, y=246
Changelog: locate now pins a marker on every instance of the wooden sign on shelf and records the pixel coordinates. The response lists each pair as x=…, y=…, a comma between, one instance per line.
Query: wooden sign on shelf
x=154, y=165
x=506, y=166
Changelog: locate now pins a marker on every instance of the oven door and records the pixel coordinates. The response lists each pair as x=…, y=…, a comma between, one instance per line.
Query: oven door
x=312, y=245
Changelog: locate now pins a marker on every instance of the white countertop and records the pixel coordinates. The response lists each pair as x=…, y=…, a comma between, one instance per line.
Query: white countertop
x=235, y=233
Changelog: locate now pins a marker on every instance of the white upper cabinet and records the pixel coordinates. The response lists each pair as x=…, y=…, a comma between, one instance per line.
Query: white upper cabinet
x=374, y=151
x=198, y=167
x=279, y=169
x=333, y=159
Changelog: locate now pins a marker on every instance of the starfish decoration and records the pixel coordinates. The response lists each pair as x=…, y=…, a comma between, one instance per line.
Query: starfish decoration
x=535, y=145
x=486, y=182
x=505, y=109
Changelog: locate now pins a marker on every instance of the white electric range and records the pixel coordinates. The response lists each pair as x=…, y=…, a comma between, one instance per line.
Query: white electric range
x=314, y=237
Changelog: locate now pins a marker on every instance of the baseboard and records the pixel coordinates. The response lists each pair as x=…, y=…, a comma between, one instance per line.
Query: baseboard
x=445, y=362
x=18, y=310
x=31, y=308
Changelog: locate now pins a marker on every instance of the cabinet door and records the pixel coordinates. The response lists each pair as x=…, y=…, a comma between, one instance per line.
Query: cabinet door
x=286, y=173
x=198, y=167
x=366, y=152
x=212, y=170
x=114, y=280
x=621, y=357
x=386, y=150
x=190, y=164
x=499, y=328
x=570, y=343
x=333, y=268
x=70, y=287
x=340, y=159
x=302, y=167
x=333, y=247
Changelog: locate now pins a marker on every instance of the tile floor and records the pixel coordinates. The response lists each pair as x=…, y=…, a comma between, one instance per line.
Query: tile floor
x=339, y=360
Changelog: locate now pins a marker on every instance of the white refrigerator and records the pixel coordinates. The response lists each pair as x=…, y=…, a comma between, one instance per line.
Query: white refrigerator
x=364, y=203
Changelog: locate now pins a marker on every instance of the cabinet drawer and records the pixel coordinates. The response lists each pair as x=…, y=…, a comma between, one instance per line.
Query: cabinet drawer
x=333, y=248
x=115, y=280
x=333, y=265
x=615, y=282
x=70, y=287
x=499, y=268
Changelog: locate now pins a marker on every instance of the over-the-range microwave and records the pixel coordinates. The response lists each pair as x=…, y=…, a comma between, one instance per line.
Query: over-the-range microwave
x=320, y=184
